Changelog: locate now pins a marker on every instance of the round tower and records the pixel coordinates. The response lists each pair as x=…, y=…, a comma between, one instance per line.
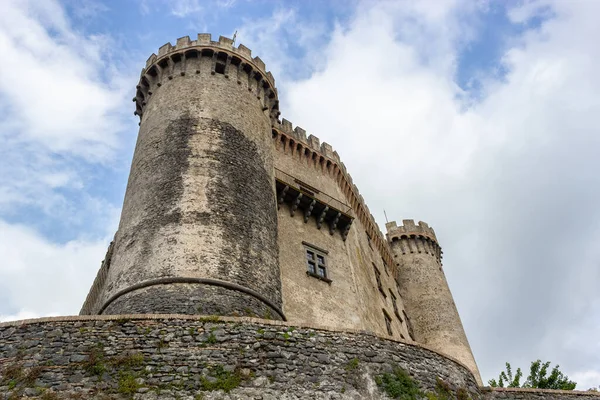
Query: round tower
x=198, y=230
x=425, y=292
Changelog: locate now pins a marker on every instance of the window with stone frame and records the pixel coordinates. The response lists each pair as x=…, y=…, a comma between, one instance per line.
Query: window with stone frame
x=378, y=278
x=395, y=304
x=388, y=322
x=316, y=262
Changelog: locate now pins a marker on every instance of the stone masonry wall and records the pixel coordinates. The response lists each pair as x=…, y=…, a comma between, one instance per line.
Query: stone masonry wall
x=190, y=357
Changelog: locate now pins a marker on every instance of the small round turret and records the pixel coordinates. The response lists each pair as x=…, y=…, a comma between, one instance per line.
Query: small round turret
x=424, y=289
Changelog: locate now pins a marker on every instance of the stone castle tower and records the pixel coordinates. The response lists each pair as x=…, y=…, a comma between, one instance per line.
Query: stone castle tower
x=230, y=211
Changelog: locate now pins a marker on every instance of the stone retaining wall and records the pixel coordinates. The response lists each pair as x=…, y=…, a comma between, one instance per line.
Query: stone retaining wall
x=190, y=357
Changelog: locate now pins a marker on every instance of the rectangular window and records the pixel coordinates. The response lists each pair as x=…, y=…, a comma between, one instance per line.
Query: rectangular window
x=316, y=263
x=385, y=266
x=378, y=278
x=388, y=323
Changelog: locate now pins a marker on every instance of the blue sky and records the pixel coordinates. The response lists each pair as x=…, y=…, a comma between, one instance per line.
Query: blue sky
x=474, y=116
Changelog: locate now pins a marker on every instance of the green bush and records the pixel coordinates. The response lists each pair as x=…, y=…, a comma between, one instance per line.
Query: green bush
x=399, y=385
x=223, y=380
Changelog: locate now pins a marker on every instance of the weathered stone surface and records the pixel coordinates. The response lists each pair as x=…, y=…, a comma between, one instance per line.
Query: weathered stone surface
x=268, y=360
x=200, y=199
x=191, y=299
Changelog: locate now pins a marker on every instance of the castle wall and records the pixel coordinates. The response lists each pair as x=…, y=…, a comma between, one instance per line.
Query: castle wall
x=352, y=299
x=200, y=202
x=105, y=357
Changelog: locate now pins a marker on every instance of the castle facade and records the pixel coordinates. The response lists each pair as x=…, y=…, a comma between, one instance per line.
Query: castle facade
x=231, y=211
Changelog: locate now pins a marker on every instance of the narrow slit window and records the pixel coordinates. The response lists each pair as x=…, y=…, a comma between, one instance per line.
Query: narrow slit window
x=388, y=323
x=378, y=278
x=395, y=304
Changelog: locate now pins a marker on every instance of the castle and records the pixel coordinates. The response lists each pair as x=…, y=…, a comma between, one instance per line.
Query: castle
x=231, y=212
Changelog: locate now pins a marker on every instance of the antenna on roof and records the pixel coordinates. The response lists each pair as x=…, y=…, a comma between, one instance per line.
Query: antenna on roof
x=386, y=220
x=234, y=35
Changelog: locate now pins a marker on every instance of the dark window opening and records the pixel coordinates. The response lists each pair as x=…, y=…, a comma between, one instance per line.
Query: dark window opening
x=316, y=264
x=176, y=58
x=378, y=278
x=369, y=240
x=153, y=72
x=395, y=304
x=385, y=266
x=388, y=323
x=220, y=68
x=222, y=56
x=163, y=63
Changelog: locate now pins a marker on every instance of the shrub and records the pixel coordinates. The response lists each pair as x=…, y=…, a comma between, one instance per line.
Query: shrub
x=399, y=385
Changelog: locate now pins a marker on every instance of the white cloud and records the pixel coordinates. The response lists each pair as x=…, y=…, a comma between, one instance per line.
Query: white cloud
x=41, y=278
x=21, y=315
x=184, y=8
x=586, y=379
x=63, y=100
x=53, y=82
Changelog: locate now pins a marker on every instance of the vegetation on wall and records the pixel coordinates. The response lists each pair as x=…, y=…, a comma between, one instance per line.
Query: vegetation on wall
x=538, y=378
x=399, y=385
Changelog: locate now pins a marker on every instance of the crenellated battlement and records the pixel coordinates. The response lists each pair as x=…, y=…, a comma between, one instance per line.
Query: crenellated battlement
x=408, y=228
x=294, y=141
x=414, y=238
x=183, y=59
